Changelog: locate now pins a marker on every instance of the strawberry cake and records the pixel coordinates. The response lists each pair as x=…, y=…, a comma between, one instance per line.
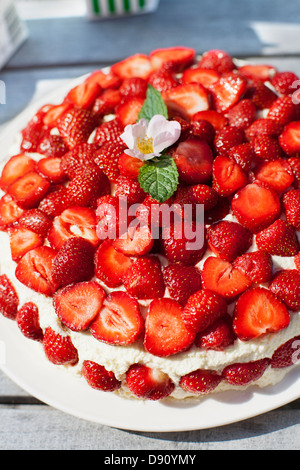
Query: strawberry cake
x=145, y=315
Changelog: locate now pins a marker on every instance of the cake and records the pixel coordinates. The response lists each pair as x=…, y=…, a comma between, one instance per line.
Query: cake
x=209, y=141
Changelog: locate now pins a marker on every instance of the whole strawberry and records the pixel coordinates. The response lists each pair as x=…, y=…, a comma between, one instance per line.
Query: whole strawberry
x=200, y=381
x=145, y=382
x=286, y=286
x=59, y=349
x=245, y=373
x=99, y=377
x=28, y=321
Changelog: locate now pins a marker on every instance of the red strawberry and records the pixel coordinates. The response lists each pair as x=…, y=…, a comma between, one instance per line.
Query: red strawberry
x=52, y=146
x=221, y=277
x=151, y=212
x=53, y=113
x=107, y=158
x=128, y=110
x=283, y=82
x=276, y=174
x=218, y=336
x=87, y=186
x=286, y=286
x=129, y=166
x=200, y=381
x=163, y=80
x=203, y=130
x=217, y=120
x=196, y=194
x=107, y=102
x=165, y=330
x=111, y=265
x=37, y=221
x=10, y=212
x=111, y=222
x=137, y=65
x=55, y=202
x=227, y=138
x=228, y=176
x=295, y=165
x=77, y=305
x=78, y=159
x=34, y=270
x=244, y=373
x=146, y=382
x=283, y=110
x=256, y=206
x=16, y=167
x=119, y=321
x=257, y=312
x=204, y=76
x=243, y=155
x=291, y=205
x=278, y=239
x=228, y=240
x=228, y=91
x=260, y=94
x=202, y=309
x=72, y=222
x=9, y=300
x=84, y=94
x=128, y=188
x=105, y=80
x=266, y=147
x=133, y=86
x=28, y=321
x=74, y=262
x=136, y=242
x=49, y=167
x=218, y=60
x=174, y=58
x=257, y=266
x=264, y=127
x=109, y=131
x=22, y=240
x=186, y=99
x=76, y=125
x=242, y=114
x=182, y=281
x=144, y=278
x=29, y=190
x=99, y=377
x=218, y=212
x=194, y=159
x=33, y=133
x=290, y=138
x=257, y=72
x=297, y=261
x=59, y=349
x=287, y=354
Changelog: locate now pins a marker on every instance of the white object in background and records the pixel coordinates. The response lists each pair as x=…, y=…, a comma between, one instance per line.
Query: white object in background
x=12, y=30
x=99, y=9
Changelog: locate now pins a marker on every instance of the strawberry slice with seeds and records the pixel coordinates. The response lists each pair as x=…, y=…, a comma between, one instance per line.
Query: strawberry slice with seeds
x=77, y=305
x=119, y=321
x=228, y=240
x=187, y=99
x=261, y=95
x=110, y=264
x=264, y=127
x=148, y=383
x=279, y=239
x=286, y=286
x=54, y=113
x=242, y=114
x=127, y=111
x=105, y=80
x=290, y=138
x=52, y=146
x=205, y=77
x=194, y=161
x=256, y=206
x=78, y=159
x=136, y=241
x=51, y=169
x=257, y=72
x=174, y=58
x=29, y=190
x=228, y=176
x=291, y=205
x=34, y=270
x=283, y=110
x=245, y=373
x=17, y=166
x=144, y=278
x=217, y=59
x=9, y=300
x=28, y=321
x=129, y=166
x=286, y=355
x=98, y=377
x=87, y=186
x=109, y=131
x=217, y=120
x=84, y=94
x=182, y=281
x=10, y=212
x=295, y=165
x=221, y=277
x=37, y=221
x=107, y=158
x=59, y=349
x=137, y=65
x=258, y=312
x=257, y=266
x=227, y=91
x=22, y=240
x=200, y=381
x=276, y=174
x=218, y=336
x=107, y=103
x=76, y=125
x=266, y=147
x=55, y=202
x=283, y=82
x=165, y=331
x=227, y=138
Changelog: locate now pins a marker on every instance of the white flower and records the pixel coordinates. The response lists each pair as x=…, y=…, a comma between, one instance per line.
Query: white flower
x=146, y=140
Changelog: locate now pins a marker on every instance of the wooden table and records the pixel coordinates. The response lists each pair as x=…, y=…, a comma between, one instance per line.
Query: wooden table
x=264, y=31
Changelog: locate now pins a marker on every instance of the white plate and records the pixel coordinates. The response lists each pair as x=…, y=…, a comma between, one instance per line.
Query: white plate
x=27, y=367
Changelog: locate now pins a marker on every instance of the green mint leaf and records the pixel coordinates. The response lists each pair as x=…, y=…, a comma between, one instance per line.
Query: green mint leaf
x=153, y=104
x=159, y=177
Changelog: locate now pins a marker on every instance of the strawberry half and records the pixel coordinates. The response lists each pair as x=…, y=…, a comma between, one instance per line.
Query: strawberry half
x=228, y=240
x=10, y=212
x=146, y=382
x=36, y=220
x=59, y=349
x=21, y=240
x=286, y=286
x=276, y=174
x=257, y=266
x=110, y=264
x=279, y=239
x=28, y=321
x=17, y=166
x=9, y=300
x=29, y=189
x=136, y=242
x=200, y=381
x=187, y=99
x=107, y=158
x=165, y=331
x=144, y=278
x=291, y=205
x=257, y=72
x=77, y=305
x=84, y=94
x=50, y=168
x=119, y=321
x=258, y=312
x=99, y=377
x=137, y=65
x=194, y=161
x=205, y=77
x=76, y=125
x=290, y=138
x=218, y=336
x=286, y=355
x=228, y=176
x=227, y=91
x=174, y=58
x=182, y=281
x=218, y=60
x=244, y=373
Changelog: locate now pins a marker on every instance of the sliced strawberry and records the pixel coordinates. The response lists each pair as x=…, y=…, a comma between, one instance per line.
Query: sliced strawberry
x=218, y=336
x=283, y=82
x=182, y=281
x=151, y=212
x=134, y=86
x=257, y=266
x=52, y=146
x=242, y=114
x=257, y=72
x=276, y=174
x=256, y=206
x=22, y=240
x=148, y=383
x=29, y=190
x=99, y=377
x=16, y=167
x=136, y=242
x=129, y=166
x=187, y=99
x=105, y=80
x=33, y=133
x=119, y=321
x=204, y=130
x=291, y=205
x=77, y=305
x=286, y=286
x=264, y=127
x=290, y=138
x=128, y=110
x=110, y=221
x=107, y=158
x=261, y=95
x=218, y=212
x=200, y=381
x=9, y=300
x=228, y=176
x=87, y=186
x=194, y=160
x=283, y=110
x=286, y=355
x=295, y=165
x=10, y=212
x=137, y=65
x=221, y=277
x=278, y=239
x=59, y=349
x=76, y=125
x=217, y=120
x=144, y=278
x=109, y=131
x=111, y=265
x=28, y=321
x=55, y=202
x=218, y=60
x=227, y=91
x=205, y=77
x=163, y=80
x=130, y=189
x=202, y=309
x=78, y=159
x=72, y=222
x=266, y=147
x=258, y=312
x=165, y=331
x=54, y=113
x=107, y=102
x=174, y=58
x=228, y=240
x=34, y=270
x=84, y=94
x=50, y=168
x=227, y=138
x=244, y=156
x=196, y=194
x=245, y=373
x=37, y=221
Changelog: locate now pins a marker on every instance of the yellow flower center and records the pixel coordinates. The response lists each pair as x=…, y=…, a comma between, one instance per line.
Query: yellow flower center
x=145, y=145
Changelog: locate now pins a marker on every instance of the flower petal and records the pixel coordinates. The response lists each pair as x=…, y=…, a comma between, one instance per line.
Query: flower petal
x=132, y=132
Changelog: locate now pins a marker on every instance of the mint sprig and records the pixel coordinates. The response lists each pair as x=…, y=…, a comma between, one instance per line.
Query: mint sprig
x=153, y=104
x=159, y=177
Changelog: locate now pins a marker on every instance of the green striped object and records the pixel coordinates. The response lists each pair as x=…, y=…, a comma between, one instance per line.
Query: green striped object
x=119, y=7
